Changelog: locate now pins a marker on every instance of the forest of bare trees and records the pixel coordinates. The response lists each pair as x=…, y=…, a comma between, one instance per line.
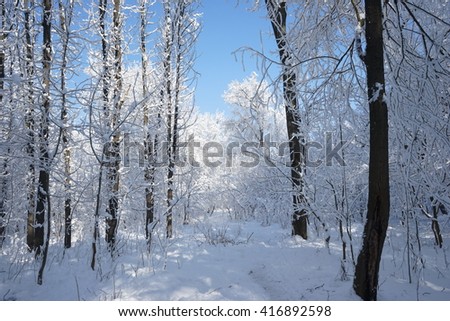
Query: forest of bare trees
x=345, y=135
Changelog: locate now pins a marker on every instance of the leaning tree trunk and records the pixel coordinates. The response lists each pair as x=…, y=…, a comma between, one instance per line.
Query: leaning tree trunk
x=367, y=268
x=278, y=16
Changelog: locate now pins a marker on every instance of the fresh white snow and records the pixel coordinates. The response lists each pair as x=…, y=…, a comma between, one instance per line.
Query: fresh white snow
x=216, y=258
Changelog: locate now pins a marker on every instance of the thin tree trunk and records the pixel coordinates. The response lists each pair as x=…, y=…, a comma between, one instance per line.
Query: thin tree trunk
x=44, y=174
x=96, y=234
x=2, y=48
x=3, y=199
x=368, y=263
x=105, y=81
x=167, y=100
x=150, y=149
x=44, y=170
x=278, y=17
x=344, y=201
x=173, y=141
x=30, y=123
x=105, y=61
x=4, y=167
x=64, y=25
x=435, y=226
x=114, y=145
x=43, y=210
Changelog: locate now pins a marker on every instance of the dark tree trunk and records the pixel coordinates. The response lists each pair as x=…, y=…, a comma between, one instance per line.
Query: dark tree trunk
x=2, y=53
x=43, y=211
x=96, y=233
x=167, y=100
x=278, y=17
x=113, y=161
x=64, y=25
x=105, y=65
x=4, y=166
x=435, y=227
x=44, y=170
x=368, y=263
x=113, y=157
x=105, y=79
x=150, y=148
x=173, y=141
x=30, y=124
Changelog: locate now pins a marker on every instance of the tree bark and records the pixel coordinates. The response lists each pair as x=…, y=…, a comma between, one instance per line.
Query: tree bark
x=44, y=170
x=367, y=268
x=114, y=145
x=43, y=210
x=105, y=61
x=179, y=41
x=30, y=123
x=435, y=225
x=167, y=100
x=105, y=80
x=277, y=11
x=65, y=34
x=4, y=166
x=150, y=148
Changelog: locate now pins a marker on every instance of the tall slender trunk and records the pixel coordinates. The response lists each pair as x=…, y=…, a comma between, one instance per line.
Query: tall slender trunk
x=150, y=147
x=96, y=234
x=30, y=123
x=114, y=144
x=167, y=100
x=65, y=17
x=44, y=170
x=105, y=80
x=368, y=263
x=277, y=12
x=43, y=210
x=103, y=4
x=177, y=36
x=4, y=165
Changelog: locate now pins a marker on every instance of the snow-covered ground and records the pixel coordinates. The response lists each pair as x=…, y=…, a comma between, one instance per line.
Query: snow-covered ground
x=219, y=259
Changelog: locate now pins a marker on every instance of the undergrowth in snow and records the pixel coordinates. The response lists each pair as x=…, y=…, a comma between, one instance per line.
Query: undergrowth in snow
x=217, y=258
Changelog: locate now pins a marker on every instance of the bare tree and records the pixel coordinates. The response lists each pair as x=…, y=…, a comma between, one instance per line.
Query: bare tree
x=43, y=209
x=113, y=149
x=166, y=99
x=104, y=80
x=368, y=263
x=179, y=36
x=150, y=143
x=29, y=121
x=44, y=170
x=277, y=11
x=65, y=20
x=4, y=165
x=417, y=60
x=112, y=101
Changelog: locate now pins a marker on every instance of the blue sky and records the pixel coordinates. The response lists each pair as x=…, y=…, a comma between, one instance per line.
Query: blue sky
x=226, y=27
